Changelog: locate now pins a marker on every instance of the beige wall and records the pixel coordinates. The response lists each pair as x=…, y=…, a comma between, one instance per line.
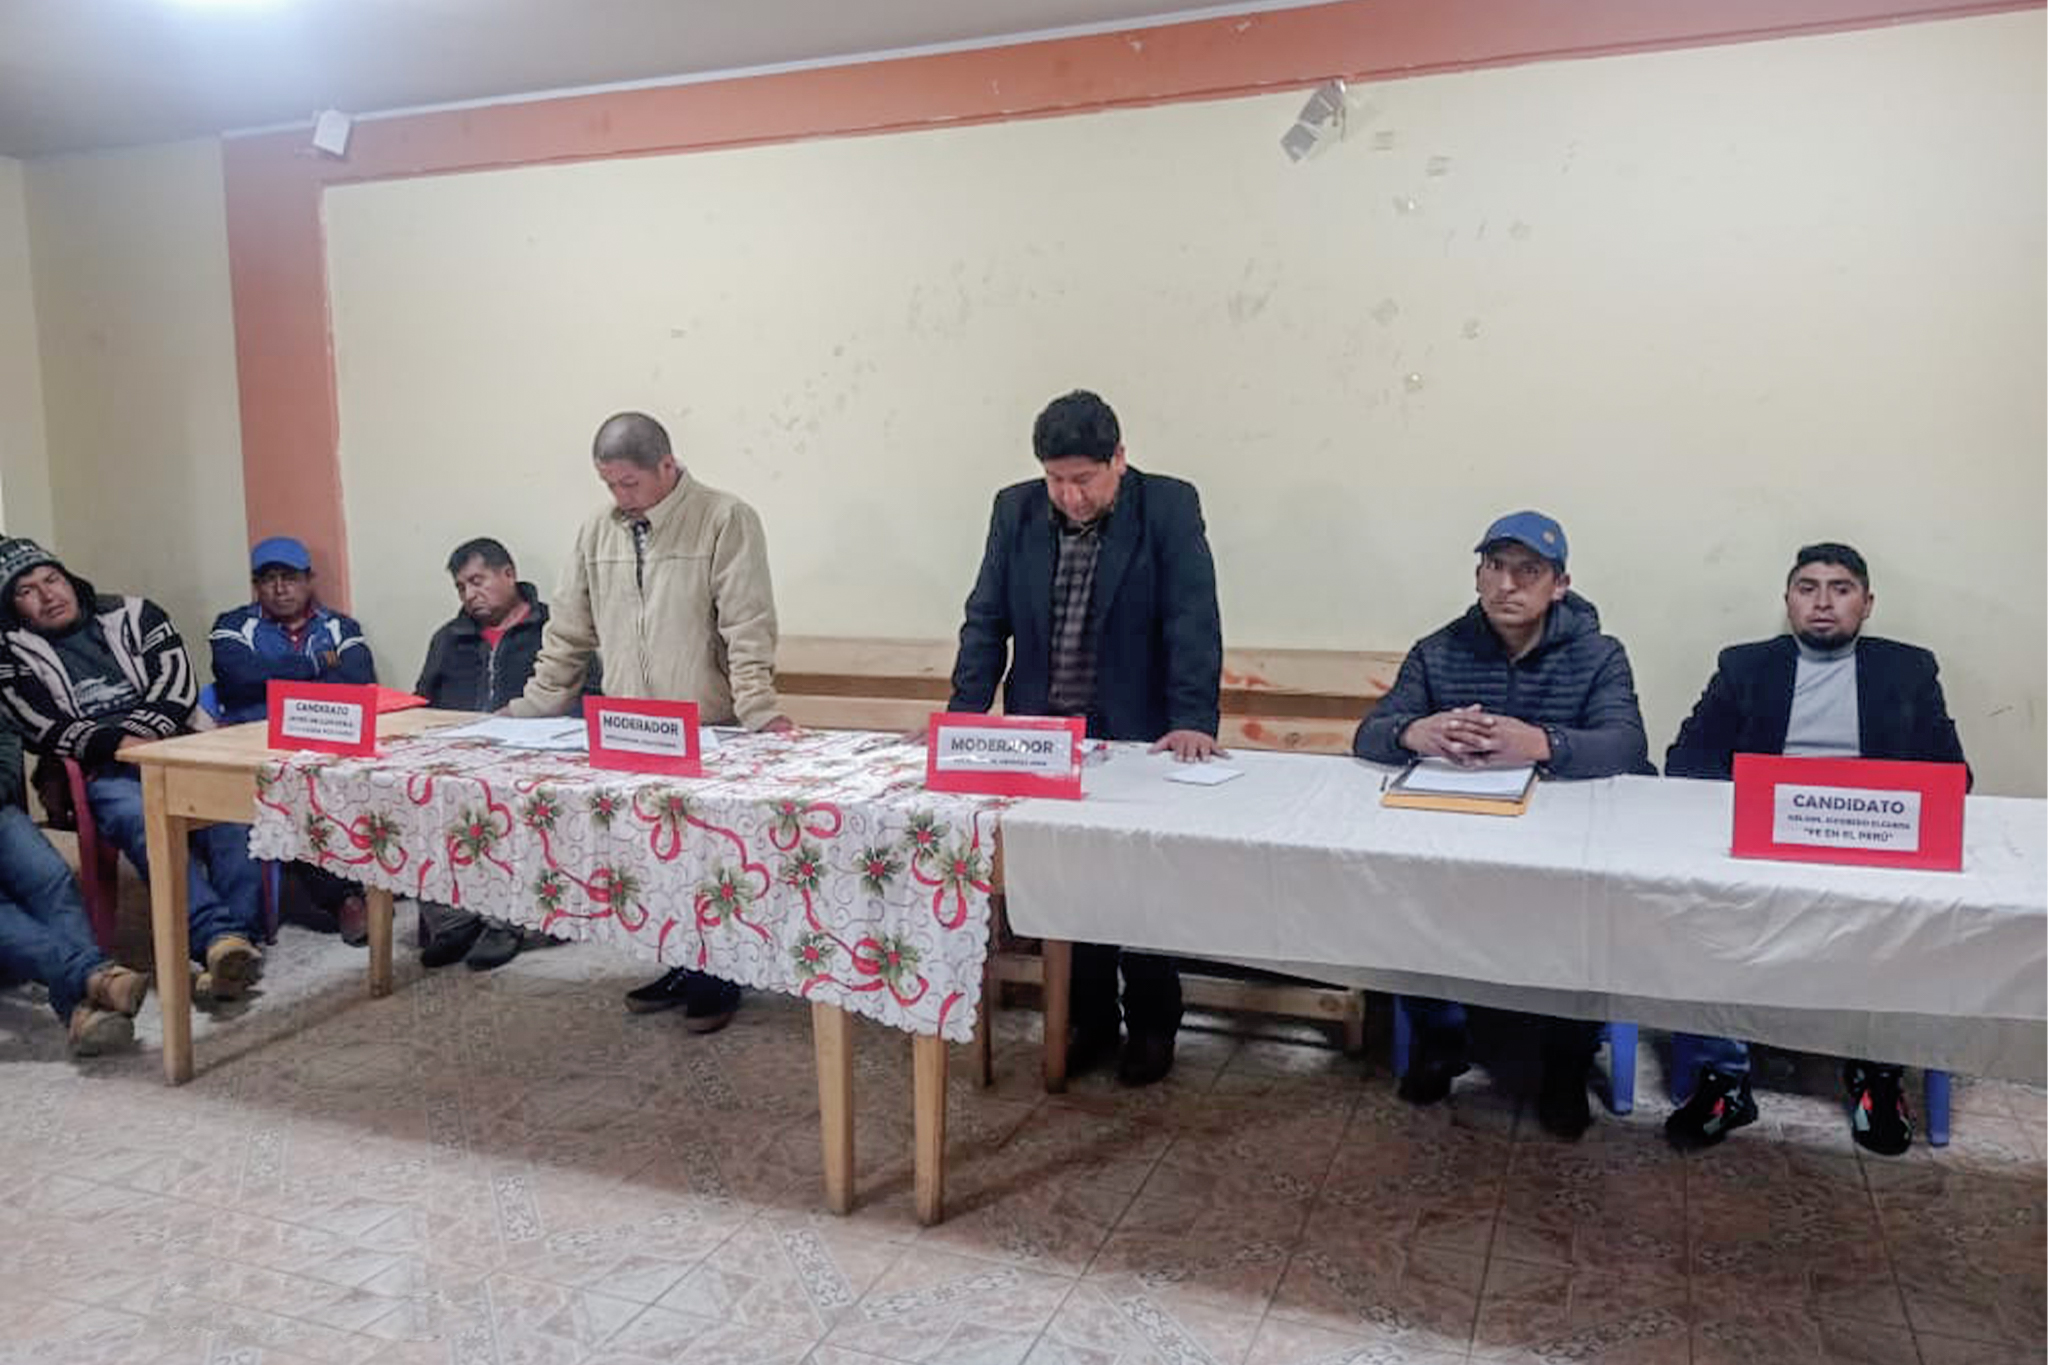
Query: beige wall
x=138, y=375
x=24, y=462
x=1703, y=306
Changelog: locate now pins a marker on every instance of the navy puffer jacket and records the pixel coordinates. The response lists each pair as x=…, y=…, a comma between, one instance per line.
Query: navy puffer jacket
x=1575, y=683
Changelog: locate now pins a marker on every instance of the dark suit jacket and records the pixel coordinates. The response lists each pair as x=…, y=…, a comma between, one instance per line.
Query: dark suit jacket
x=1747, y=707
x=1157, y=632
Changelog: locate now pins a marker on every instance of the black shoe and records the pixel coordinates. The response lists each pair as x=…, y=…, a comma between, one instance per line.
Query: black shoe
x=452, y=942
x=497, y=945
x=1720, y=1104
x=1439, y=1059
x=1091, y=1049
x=710, y=1004
x=669, y=992
x=1561, y=1104
x=1146, y=1059
x=1878, y=1117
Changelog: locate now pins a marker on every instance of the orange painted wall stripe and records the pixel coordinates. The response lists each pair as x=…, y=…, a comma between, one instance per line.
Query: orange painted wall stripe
x=276, y=251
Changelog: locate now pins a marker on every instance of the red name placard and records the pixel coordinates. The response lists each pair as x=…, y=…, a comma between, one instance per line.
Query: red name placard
x=1873, y=812
x=327, y=718
x=1005, y=755
x=637, y=736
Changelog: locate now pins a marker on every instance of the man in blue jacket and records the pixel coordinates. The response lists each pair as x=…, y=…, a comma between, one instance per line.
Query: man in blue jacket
x=1824, y=690
x=1524, y=677
x=1097, y=589
x=285, y=635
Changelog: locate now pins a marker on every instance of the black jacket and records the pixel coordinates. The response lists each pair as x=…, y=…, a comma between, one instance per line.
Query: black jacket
x=1747, y=707
x=1575, y=683
x=1153, y=617
x=464, y=673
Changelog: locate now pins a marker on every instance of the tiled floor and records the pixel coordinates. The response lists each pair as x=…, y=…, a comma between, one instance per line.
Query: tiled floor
x=509, y=1170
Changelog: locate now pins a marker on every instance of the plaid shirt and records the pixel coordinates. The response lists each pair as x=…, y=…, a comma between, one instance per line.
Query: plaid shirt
x=1072, y=691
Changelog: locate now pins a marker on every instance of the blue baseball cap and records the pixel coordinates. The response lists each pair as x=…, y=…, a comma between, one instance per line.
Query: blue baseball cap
x=1533, y=529
x=280, y=550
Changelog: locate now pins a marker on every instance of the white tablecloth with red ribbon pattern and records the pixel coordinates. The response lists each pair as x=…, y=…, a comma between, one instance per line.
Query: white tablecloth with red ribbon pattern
x=810, y=863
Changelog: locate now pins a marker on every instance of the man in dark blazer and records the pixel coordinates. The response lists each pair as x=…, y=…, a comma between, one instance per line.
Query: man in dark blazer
x=1824, y=690
x=1098, y=592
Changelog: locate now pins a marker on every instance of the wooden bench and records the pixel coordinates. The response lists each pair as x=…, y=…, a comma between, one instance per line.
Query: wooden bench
x=1299, y=700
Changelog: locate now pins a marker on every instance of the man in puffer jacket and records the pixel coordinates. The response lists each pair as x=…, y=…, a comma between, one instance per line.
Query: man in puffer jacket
x=1523, y=677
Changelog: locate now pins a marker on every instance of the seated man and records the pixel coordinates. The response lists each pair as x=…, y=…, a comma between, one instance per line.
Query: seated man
x=44, y=936
x=1824, y=690
x=285, y=635
x=1523, y=677
x=86, y=675
x=479, y=661
x=1097, y=594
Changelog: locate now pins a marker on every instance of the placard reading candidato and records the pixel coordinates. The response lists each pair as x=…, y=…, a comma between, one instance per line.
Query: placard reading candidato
x=338, y=721
x=328, y=718
x=1835, y=817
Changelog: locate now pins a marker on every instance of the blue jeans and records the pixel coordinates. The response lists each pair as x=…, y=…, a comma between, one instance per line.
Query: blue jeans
x=223, y=885
x=44, y=935
x=1691, y=1053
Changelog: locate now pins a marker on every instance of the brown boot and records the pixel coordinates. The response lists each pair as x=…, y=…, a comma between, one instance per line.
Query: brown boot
x=94, y=1030
x=232, y=963
x=117, y=988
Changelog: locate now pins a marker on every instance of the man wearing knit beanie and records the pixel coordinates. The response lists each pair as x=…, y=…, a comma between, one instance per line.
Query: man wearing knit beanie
x=86, y=675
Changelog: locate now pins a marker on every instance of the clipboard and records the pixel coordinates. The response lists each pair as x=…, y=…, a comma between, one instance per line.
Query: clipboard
x=1433, y=785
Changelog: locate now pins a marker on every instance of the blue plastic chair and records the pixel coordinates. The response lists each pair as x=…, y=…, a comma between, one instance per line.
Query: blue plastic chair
x=273, y=872
x=1621, y=1057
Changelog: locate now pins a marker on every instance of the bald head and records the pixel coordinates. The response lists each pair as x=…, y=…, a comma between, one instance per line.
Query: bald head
x=633, y=437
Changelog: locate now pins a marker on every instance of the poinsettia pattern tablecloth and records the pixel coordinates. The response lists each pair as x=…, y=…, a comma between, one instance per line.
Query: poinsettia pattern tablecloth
x=810, y=863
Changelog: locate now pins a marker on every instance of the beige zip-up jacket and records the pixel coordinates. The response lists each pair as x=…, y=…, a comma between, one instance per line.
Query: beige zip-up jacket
x=698, y=625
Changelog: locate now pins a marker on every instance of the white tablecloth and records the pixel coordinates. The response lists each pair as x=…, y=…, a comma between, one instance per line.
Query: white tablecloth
x=1611, y=899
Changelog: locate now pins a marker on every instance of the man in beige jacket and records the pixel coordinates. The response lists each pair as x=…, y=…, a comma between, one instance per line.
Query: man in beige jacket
x=670, y=584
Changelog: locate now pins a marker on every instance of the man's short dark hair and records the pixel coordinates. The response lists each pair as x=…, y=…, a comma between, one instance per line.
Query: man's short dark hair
x=633, y=437
x=492, y=553
x=1831, y=552
x=1078, y=423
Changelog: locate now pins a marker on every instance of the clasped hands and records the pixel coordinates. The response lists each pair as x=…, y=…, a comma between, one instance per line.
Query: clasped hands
x=1473, y=737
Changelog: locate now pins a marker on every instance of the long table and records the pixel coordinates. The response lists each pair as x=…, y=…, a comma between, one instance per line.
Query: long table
x=812, y=864
x=1608, y=899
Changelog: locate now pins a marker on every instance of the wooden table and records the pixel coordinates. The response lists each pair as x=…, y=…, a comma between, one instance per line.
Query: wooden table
x=210, y=778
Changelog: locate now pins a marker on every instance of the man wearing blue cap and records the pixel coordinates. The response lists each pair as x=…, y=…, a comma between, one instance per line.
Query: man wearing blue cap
x=285, y=635
x=1524, y=677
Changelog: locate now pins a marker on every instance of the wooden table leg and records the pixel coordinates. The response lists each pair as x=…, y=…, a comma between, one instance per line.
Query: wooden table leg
x=1057, y=955
x=170, y=923
x=928, y=1164
x=834, y=1046
x=985, y=1023
x=379, y=905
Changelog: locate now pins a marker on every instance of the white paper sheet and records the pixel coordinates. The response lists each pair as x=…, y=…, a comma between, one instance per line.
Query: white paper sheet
x=1435, y=776
x=1202, y=774
x=552, y=732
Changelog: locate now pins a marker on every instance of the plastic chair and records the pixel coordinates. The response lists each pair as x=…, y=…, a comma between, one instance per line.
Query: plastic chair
x=99, y=869
x=1621, y=1057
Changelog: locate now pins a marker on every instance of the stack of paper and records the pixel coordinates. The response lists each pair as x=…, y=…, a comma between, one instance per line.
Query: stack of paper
x=553, y=732
x=1433, y=784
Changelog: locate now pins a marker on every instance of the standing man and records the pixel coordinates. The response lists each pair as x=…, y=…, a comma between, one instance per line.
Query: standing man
x=671, y=583
x=1097, y=588
x=286, y=635
x=1524, y=677
x=1823, y=690
x=480, y=661
x=86, y=675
